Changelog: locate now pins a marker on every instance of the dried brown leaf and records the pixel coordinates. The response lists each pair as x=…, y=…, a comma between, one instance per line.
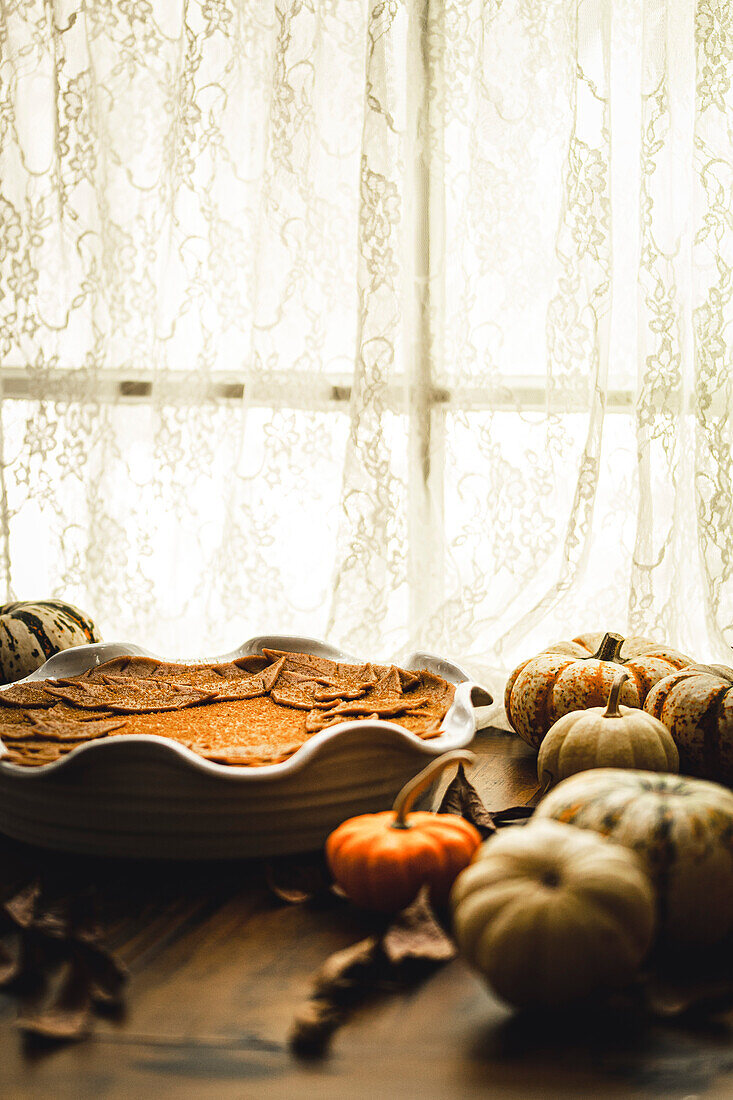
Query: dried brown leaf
x=345, y=969
x=11, y=961
x=65, y=1012
x=67, y=971
x=107, y=975
x=345, y=978
x=416, y=934
x=462, y=798
x=21, y=908
x=410, y=947
x=513, y=815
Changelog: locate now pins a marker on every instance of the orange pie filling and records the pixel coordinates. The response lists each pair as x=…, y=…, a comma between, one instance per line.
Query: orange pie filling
x=255, y=710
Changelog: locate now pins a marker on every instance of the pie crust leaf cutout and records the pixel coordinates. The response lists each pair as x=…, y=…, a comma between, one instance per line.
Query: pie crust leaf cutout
x=270, y=675
x=26, y=695
x=51, y=728
x=122, y=697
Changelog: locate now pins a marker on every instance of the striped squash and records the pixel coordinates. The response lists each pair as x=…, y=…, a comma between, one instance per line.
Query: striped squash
x=32, y=631
x=682, y=829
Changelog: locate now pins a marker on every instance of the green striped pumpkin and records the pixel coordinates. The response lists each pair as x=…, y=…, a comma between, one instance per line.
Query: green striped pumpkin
x=682, y=829
x=32, y=631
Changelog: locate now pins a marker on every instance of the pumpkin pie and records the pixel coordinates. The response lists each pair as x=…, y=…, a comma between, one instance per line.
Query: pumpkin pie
x=255, y=710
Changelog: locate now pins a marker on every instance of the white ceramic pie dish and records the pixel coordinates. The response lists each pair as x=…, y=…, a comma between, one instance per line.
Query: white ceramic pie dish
x=146, y=796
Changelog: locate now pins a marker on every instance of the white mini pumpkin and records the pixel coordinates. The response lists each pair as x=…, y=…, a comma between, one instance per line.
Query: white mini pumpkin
x=610, y=737
x=550, y=914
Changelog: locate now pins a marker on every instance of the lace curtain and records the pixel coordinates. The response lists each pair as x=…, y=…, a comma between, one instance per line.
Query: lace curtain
x=401, y=323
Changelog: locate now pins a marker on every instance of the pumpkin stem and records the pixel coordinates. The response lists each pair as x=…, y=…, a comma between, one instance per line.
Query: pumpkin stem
x=609, y=648
x=410, y=791
x=612, y=710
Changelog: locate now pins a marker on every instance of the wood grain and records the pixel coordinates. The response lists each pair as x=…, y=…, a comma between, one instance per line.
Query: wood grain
x=218, y=967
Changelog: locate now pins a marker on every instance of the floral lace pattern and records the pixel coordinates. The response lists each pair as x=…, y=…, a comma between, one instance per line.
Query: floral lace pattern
x=402, y=323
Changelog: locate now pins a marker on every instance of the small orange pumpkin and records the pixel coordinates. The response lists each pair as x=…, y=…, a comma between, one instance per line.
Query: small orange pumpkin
x=382, y=860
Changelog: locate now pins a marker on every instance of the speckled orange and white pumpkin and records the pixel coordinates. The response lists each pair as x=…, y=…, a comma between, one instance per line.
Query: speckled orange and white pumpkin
x=573, y=676
x=682, y=829
x=696, y=706
x=32, y=631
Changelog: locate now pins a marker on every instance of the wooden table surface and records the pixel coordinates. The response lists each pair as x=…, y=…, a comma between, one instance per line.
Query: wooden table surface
x=218, y=966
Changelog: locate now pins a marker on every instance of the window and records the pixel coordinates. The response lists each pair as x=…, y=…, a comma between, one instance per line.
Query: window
x=401, y=323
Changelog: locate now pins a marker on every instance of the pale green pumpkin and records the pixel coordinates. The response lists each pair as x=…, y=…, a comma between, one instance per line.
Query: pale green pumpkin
x=682, y=830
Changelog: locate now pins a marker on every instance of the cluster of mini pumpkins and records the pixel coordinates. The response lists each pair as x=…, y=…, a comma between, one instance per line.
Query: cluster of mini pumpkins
x=623, y=855
x=612, y=863
x=606, y=701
